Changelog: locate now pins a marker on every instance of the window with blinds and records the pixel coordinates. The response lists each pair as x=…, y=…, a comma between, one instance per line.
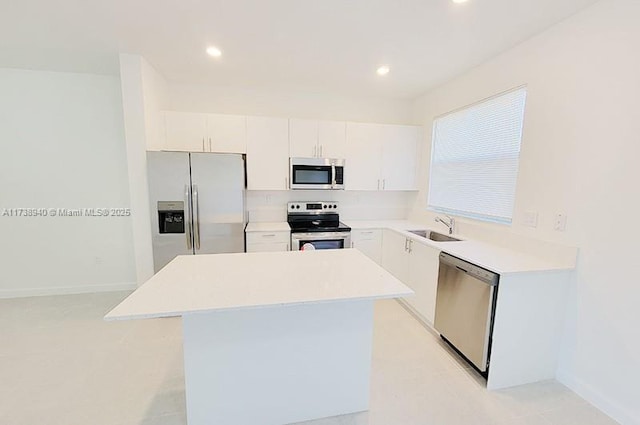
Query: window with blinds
x=475, y=156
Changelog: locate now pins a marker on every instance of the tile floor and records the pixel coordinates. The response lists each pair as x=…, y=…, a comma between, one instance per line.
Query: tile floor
x=60, y=364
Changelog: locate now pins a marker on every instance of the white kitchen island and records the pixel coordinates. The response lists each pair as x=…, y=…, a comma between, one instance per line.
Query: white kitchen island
x=270, y=338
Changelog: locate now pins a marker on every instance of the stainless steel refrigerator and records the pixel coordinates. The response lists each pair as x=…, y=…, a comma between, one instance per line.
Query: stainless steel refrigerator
x=197, y=204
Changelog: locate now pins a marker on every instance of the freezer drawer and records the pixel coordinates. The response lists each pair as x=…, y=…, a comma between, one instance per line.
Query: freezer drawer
x=465, y=307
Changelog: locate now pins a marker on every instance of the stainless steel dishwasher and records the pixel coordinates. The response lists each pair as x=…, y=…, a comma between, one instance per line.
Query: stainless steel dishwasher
x=465, y=306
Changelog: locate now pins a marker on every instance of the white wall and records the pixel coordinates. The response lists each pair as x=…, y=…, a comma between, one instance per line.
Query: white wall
x=155, y=97
x=288, y=103
x=143, y=97
x=62, y=146
x=272, y=205
x=579, y=156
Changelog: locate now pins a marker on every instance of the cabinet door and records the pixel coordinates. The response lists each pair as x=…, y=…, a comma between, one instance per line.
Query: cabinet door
x=399, y=157
x=332, y=136
x=185, y=131
x=267, y=153
x=303, y=138
x=395, y=258
x=369, y=242
x=227, y=133
x=363, y=156
x=423, y=279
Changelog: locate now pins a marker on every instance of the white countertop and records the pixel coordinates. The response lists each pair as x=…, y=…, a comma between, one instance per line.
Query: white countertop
x=272, y=226
x=199, y=283
x=491, y=257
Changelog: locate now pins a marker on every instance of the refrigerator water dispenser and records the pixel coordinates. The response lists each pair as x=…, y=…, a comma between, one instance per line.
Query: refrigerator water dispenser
x=171, y=216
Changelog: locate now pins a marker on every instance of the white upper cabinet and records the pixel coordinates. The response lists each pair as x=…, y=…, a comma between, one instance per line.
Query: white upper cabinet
x=303, y=138
x=267, y=153
x=194, y=132
x=381, y=157
x=317, y=139
x=378, y=156
x=363, y=156
x=227, y=133
x=185, y=131
x=399, y=157
x=332, y=137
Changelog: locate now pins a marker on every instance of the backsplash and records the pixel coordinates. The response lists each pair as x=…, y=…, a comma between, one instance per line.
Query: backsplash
x=265, y=206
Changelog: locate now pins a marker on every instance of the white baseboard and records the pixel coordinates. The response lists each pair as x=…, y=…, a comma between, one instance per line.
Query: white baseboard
x=67, y=290
x=605, y=404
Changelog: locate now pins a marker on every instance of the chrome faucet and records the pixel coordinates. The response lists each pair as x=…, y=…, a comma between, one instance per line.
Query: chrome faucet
x=450, y=223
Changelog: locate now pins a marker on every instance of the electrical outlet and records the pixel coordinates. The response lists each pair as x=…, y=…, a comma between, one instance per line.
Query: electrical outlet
x=560, y=223
x=530, y=219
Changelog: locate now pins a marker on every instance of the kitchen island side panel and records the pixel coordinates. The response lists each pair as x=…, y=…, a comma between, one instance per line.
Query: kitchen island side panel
x=278, y=365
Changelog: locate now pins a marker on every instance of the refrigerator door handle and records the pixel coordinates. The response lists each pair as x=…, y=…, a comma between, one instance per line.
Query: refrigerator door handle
x=196, y=217
x=187, y=224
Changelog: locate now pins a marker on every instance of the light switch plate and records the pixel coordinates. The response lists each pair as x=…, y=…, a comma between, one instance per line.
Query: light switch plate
x=530, y=219
x=560, y=223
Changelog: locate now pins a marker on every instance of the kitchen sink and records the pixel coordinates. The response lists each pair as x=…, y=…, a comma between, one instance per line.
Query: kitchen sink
x=434, y=236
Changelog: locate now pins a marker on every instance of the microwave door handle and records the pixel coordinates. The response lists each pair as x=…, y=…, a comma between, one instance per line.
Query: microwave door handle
x=333, y=176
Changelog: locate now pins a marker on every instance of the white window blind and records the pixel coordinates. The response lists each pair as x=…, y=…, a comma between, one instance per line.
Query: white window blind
x=475, y=156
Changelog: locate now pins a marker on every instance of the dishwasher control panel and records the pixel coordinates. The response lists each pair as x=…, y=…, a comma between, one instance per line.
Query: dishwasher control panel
x=476, y=271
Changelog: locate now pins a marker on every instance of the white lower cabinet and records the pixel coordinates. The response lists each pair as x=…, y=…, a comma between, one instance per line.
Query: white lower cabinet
x=369, y=242
x=394, y=255
x=423, y=279
x=268, y=241
x=416, y=265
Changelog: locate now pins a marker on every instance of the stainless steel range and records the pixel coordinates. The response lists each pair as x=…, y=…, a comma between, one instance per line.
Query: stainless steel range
x=316, y=225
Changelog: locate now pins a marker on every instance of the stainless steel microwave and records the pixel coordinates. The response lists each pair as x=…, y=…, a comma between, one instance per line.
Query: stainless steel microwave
x=317, y=173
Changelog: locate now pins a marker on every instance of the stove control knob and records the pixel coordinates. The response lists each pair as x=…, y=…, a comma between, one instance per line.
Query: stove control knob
x=324, y=206
x=297, y=207
x=335, y=206
x=293, y=206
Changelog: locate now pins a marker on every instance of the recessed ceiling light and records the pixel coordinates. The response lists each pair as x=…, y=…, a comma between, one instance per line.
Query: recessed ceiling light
x=214, y=51
x=383, y=70
x=459, y=1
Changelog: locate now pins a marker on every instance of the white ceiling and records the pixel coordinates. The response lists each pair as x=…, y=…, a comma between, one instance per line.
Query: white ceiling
x=332, y=45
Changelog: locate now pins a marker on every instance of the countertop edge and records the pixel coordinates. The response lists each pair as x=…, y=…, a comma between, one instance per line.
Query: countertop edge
x=402, y=227
x=115, y=318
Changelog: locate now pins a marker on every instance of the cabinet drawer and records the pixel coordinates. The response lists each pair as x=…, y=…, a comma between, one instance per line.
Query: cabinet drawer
x=366, y=234
x=268, y=237
x=268, y=247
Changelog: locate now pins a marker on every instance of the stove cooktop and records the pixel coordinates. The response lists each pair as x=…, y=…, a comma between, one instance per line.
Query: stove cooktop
x=315, y=217
x=340, y=227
